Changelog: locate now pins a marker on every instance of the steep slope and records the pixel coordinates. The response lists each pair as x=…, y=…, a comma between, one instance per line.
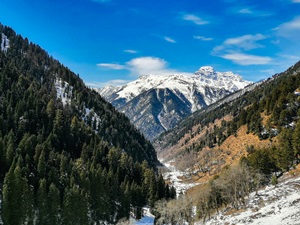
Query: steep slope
x=271, y=205
x=259, y=116
x=157, y=103
x=66, y=155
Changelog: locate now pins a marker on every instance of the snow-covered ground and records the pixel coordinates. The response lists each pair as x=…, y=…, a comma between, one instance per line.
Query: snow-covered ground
x=174, y=176
x=273, y=205
x=147, y=219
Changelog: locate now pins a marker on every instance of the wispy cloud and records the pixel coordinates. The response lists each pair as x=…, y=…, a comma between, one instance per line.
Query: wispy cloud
x=247, y=59
x=143, y=66
x=168, y=39
x=296, y=1
x=234, y=49
x=290, y=29
x=195, y=19
x=245, y=42
x=130, y=51
x=112, y=66
x=249, y=11
x=245, y=11
x=202, y=38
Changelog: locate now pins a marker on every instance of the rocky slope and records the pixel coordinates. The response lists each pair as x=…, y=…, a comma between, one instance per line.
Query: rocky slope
x=157, y=103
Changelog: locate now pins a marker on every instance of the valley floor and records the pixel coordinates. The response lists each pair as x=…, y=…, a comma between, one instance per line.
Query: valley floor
x=175, y=177
x=278, y=205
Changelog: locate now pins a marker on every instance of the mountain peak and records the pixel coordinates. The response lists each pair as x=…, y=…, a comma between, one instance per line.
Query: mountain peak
x=207, y=72
x=206, y=69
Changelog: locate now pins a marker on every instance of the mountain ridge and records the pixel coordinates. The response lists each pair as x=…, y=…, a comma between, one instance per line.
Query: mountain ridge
x=189, y=94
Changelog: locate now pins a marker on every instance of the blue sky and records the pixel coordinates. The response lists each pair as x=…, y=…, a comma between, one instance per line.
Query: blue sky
x=115, y=41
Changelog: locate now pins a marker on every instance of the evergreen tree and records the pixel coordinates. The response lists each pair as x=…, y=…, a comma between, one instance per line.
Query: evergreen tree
x=42, y=215
x=15, y=199
x=296, y=141
x=75, y=208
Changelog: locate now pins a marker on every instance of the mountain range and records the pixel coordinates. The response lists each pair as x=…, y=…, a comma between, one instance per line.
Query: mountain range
x=156, y=103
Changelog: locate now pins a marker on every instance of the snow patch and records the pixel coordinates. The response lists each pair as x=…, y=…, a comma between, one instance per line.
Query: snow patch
x=174, y=176
x=4, y=42
x=63, y=91
x=90, y=116
x=147, y=219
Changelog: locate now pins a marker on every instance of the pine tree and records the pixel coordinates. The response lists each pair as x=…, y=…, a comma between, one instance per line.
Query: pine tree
x=296, y=140
x=75, y=207
x=15, y=201
x=53, y=204
x=42, y=215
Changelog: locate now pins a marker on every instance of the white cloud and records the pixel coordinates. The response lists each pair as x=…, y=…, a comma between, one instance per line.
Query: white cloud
x=195, y=19
x=130, y=51
x=292, y=25
x=296, y=1
x=247, y=59
x=139, y=66
x=290, y=29
x=233, y=49
x=202, y=38
x=112, y=66
x=246, y=42
x=146, y=65
x=168, y=39
x=250, y=11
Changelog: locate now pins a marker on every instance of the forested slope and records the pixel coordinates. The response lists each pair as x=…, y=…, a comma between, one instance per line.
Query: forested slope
x=236, y=146
x=66, y=155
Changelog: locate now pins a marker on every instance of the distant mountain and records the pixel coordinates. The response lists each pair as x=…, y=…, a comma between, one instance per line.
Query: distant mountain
x=156, y=103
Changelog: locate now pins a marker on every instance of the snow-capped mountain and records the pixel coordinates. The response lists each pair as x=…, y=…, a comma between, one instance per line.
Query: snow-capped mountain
x=155, y=103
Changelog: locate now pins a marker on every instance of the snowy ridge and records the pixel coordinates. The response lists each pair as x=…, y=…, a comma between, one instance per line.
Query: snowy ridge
x=4, y=42
x=156, y=103
x=272, y=205
x=183, y=85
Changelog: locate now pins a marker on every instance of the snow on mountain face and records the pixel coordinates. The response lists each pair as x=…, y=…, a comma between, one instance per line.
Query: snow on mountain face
x=227, y=80
x=171, y=97
x=206, y=76
x=4, y=43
